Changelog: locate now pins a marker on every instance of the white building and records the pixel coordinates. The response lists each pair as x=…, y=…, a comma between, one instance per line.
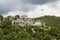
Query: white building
x=39, y=22
x=24, y=20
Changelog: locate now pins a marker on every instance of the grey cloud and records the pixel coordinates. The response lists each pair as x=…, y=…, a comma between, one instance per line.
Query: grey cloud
x=38, y=2
x=20, y=5
x=14, y=5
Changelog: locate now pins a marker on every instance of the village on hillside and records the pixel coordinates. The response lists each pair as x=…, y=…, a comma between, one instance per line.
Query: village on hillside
x=24, y=24
x=24, y=20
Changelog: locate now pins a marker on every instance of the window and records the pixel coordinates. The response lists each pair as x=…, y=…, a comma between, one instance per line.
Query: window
x=14, y=23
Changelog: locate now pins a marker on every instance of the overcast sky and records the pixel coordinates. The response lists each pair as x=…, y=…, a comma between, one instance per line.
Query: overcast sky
x=32, y=8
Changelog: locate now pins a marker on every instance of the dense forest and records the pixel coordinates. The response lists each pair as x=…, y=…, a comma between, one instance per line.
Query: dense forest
x=29, y=32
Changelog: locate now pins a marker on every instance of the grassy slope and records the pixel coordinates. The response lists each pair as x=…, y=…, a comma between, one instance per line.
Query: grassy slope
x=19, y=33
x=50, y=21
x=8, y=32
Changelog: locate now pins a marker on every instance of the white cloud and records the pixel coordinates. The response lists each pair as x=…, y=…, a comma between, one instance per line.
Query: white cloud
x=41, y=10
x=47, y=9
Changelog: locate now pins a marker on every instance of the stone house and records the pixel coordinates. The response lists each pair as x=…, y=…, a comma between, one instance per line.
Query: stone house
x=18, y=22
x=23, y=20
x=39, y=22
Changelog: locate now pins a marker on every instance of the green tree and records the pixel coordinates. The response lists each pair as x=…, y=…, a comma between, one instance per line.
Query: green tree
x=17, y=16
x=1, y=17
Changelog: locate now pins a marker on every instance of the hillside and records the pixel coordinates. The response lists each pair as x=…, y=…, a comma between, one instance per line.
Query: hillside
x=29, y=32
x=52, y=21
